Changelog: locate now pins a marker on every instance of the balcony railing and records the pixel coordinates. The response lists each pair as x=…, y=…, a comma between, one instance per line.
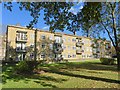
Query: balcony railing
x=21, y=39
x=79, y=51
x=58, y=50
x=18, y=49
x=78, y=44
x=94, y=52
x=107, y=47
x=108, y=53
x=61, y=41
x=95, y=45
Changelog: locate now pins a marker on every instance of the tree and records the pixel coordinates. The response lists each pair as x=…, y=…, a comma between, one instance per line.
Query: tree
x=55, y=14
x=45, y=49
x=106, y=16
x=102, y=16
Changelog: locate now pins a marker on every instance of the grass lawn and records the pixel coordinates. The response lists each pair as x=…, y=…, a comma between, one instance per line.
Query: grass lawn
x=88, y=74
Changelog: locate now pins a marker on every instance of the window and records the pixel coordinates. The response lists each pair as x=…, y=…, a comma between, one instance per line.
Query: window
x=74, y=56
x=32, y=36
x=42, y=55
x=74, y=40
x=32, y=45
x=21, y=36
x=51, y=38
x=74, y=47
x=31, y=55
x=64, y=47
x=51, y=46
x=58, y=39
x=69, y=56
x=43, y=36
x=69, y=39
x=68, y=47
x=20, y=46
x=83, y=56
x=43, y=45
x=64, y=55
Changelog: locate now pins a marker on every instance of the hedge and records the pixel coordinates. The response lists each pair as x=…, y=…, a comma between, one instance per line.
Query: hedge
x=107, y=61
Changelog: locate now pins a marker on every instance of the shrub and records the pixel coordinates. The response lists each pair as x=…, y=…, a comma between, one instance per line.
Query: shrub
x=25, y=67
x=107, y=61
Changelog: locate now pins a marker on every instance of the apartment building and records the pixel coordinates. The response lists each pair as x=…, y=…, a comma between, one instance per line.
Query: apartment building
x=67, y=46
x=2, y=47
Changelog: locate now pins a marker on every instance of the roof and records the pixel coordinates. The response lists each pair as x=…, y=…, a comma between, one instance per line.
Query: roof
x=16, y=26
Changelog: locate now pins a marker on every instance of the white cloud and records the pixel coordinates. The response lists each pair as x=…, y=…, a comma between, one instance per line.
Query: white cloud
x=81, y=7
x=46, y=27
x=73, y=10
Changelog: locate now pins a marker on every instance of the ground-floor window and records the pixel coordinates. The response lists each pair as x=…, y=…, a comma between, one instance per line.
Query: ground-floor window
x=20, y=56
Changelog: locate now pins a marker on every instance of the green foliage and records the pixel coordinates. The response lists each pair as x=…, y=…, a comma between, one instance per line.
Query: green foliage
x=107, y=61
x=22, y=67
x=25, y=67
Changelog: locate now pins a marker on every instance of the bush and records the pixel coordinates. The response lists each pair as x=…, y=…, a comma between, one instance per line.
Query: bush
x=107, y=61
x=25, y=67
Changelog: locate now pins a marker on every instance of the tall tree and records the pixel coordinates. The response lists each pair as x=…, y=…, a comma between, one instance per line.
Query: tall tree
x=55, y=14
x=106, y=16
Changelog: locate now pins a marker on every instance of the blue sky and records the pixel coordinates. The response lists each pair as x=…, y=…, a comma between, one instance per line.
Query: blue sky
x=23, y=17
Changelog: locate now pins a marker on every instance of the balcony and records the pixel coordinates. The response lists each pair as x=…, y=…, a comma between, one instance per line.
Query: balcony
x=59, y=41
x=58, y=50
x=79, y=51
x=108, y=53
x=78, y=44
x=107, y=47
x=18, y=49
x=21, y=39
x=94, y=52
x=97, y=51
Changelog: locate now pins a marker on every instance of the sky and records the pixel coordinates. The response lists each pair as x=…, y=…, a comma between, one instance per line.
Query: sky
x=23, y=17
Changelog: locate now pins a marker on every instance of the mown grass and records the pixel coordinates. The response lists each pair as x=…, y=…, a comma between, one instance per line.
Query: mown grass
x=88, y=74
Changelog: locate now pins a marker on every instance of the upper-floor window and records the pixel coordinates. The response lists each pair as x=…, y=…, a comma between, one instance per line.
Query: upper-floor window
x=21, y=36
x=42, y=55
x=20, y=46
x=68, y=39
x=32, y=45
x=74, y=47
x=43, y=45
x=32, y=36
x=51, y=46
x=74, y=40
x=58, y=39
x=43, y=36
x=68, y=47
x=51, y=38
x=64, y=47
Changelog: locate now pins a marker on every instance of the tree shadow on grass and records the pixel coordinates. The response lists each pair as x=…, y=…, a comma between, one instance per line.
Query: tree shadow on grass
x=8, y=74
x=89, y=66
x=83, y=76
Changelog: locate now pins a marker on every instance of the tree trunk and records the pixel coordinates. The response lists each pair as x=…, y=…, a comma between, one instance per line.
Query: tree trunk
x=118, y=59
x=74, y=32
x=35, y=41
